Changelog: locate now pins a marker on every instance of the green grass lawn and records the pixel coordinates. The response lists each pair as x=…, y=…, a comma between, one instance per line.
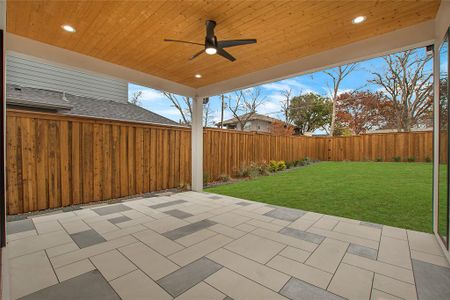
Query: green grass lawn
x=396, y=194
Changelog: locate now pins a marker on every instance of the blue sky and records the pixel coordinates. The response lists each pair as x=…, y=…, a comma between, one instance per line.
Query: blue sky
x=316, y=82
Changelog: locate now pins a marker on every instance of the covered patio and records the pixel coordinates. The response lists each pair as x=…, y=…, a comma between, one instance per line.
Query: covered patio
x=203, y=246
x=195, y=245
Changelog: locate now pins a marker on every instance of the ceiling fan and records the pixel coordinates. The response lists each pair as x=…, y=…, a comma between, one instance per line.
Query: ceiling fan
x=212, y=45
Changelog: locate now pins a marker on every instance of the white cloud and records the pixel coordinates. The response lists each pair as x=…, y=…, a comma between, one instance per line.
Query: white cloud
x=151, y=96
x=296, y=86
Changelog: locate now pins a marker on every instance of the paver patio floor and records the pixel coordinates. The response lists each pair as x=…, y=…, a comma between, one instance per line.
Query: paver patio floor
x=203, y=246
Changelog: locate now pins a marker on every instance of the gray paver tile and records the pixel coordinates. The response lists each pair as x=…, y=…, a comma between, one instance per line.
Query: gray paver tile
x=188, y=276
x=117, y=220
x=296, y=289
x=178, y=214
x=188, y=229
x=19, y=226
x=302, y=235
x=432, y=281
x=287, y=214
x=110, y=209
x=87, y=238
x=165, y=204
x=362, y=251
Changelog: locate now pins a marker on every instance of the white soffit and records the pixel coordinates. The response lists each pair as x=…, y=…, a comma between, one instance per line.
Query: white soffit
x=79, y=61
x=410, y=37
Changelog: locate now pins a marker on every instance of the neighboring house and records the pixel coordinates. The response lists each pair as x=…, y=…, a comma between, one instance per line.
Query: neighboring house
x=39, y=86
x=256, y=122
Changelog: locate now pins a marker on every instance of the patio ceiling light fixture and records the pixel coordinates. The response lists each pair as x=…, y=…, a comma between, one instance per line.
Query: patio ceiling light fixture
x=212, y=45
x=68, y=28
x=198, y=75
x=359, y=19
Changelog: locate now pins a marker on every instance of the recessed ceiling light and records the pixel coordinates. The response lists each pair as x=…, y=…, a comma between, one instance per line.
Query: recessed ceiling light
x=68, y=28
x=358, y=19
x=198, y=75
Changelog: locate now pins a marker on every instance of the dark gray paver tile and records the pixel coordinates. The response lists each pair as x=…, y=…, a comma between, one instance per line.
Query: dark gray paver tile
x=296, y=289
x=165, y=204
x=302, y=235
x=87, y=238
x=20, y=226
x=71, y=208
x=90, y=285
x=374, y=225
x=178, y=214
x=362, y=251
x=120, y=219
x=215, y=197
x=432, y=281
x=183, y=279
x=110, y=209
x=287, y=214
x=188, y=229
x=243, y=203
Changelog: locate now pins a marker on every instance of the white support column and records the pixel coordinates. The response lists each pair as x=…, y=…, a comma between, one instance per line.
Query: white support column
x=197, y=144
x=435, y=135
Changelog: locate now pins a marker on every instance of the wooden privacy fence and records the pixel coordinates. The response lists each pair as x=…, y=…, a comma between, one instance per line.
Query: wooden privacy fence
x=55, y=160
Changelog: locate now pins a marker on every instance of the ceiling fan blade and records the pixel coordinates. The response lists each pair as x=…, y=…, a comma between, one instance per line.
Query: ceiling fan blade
x=225, y=54
x=234, y=43
x=197, y=54
x=210, y=25
x=185, y=42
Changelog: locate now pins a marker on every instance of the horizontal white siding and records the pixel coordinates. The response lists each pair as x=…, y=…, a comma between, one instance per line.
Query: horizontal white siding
x=26, y=71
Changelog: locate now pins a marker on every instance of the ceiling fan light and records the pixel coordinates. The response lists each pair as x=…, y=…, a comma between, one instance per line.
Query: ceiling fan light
x=211, y=50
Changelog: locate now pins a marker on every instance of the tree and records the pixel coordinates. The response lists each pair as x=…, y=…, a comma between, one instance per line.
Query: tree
x=135, y=98
x=408, y=85
x=337, y=75
x=244, y=104
x=310, y=112
x=285, y=103
x=281, y=128
x=362, y=111
x=184, y=106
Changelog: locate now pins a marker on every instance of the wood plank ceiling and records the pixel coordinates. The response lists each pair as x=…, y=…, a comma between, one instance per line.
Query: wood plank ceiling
x=131, y=33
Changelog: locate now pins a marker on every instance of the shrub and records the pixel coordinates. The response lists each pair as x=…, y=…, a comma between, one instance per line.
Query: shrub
x=378, y=159
x=411, y=159
x=300, y=163
x=281, y=165
x=428, y=159
x=289, y=164
x=243, y=172
x=224, y=177
x=397, y=159
x=273, y=166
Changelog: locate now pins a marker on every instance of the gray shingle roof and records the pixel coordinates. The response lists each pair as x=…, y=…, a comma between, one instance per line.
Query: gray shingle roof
x=81, y=106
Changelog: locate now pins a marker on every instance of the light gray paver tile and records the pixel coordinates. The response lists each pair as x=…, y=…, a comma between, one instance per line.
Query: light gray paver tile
x=326, y=222
x=301, y=271
x=188, y=229
x=379, y=295
x=363, y=251
x=250, y=269
x=423, y=242
x=30, y=273
x=62, y=249
x=228, y=231
x=395, y=287
x=148, y=260
x=199, y=250
x=394, y=232
x=165, y=204
x=239, y=287
x=379, y=267
x=74, y=270
x=201, y=291
x=297, y=289
x=374, y=225
x=328, y=255
x=36, y=243
x=351, y=282
x=255, y=247
x=103, y=226
x=137, y=285
x=265, y=225
x=394, y=251
x=302, y=224
x=20, y=235
x=75, y=226
x=229, y=219
x=68, y=258
x=285, y=239
x=166, y=224
x=123, y=232
x=158, y=242
x=364, y=232
x=195, y=237
x=295, y=254
x=303, y=235
x=245, y=227
x=345, y=237
x=90, y=285
x=112, y=264
x=188, y=276
x=430, y=258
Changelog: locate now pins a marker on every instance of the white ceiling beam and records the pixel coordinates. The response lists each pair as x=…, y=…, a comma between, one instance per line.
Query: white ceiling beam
x=414, y=36
x=83, y=62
